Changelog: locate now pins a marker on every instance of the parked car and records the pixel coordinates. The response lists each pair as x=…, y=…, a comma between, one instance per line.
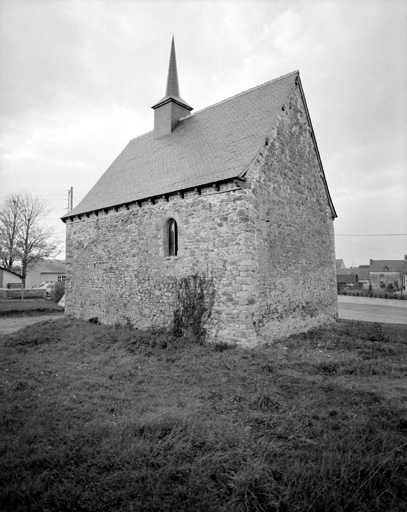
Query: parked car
x=47, y=286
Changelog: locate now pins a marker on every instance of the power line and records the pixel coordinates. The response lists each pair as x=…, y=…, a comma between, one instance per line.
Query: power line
x=387, y=234
x=372, y=248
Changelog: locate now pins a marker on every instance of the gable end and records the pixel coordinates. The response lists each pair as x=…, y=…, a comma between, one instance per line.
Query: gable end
x=330, y=202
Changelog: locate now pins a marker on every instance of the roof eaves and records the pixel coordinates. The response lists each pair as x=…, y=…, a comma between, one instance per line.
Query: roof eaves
x=240, y=182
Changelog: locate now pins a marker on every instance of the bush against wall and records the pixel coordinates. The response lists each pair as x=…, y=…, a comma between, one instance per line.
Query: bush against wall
x=58, y=291
x=195, y=299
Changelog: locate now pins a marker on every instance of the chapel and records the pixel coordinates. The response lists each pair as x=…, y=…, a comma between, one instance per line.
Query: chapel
x=235, y=193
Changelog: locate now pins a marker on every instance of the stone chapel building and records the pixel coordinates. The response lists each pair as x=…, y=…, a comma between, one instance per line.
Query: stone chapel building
x=236, y=191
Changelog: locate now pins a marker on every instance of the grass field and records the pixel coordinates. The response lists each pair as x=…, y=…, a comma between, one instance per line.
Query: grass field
x=99, y=418
x=28, y=307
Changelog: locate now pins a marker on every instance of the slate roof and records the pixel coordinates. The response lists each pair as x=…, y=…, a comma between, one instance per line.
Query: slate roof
x=362, y=273
x=211, y=145
x=392, y=265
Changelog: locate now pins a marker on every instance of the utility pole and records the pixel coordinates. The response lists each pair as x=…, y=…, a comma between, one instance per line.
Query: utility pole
x=70, y=199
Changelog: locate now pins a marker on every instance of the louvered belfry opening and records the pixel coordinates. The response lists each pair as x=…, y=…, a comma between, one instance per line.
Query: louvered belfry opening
x=170, y=109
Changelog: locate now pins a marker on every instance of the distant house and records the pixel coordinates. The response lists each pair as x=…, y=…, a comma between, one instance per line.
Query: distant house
x=339, y=264
x=352, y=276
x=8, y=278
x=361, y=272
x=388, y=274
x=45, y=270
x=344, y=280
x=379, y=274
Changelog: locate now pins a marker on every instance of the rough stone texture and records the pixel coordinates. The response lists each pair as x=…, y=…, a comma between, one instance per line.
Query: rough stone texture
x=269, y=248
x=117, y=268
x=294, y=229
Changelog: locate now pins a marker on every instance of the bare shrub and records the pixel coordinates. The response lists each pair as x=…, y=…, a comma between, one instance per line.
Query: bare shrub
x=195, y=298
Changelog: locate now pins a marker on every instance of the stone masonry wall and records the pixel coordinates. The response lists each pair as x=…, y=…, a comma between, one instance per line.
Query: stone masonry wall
x=117, y=268
x=269, y=248
x=294, y=230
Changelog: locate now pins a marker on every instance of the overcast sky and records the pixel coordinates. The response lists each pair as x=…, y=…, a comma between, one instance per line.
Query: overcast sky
x=78, y=79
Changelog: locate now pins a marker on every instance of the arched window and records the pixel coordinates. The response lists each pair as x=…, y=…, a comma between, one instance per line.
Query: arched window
x=172, y=237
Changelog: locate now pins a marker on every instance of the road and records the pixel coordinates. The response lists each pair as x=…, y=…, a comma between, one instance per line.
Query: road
x=368, y=313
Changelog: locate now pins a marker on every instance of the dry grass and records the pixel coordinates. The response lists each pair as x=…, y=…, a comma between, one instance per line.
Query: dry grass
x=101, y=419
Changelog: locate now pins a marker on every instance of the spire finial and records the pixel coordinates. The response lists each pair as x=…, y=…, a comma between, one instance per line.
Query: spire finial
x=172, y=80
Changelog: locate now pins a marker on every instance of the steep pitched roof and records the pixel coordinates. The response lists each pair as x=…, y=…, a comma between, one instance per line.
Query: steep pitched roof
x=213, y=144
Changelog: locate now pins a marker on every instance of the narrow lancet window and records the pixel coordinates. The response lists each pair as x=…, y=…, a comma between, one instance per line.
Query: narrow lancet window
x=172, y=238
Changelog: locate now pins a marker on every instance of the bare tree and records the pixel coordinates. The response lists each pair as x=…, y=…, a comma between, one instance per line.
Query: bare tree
x=22, y=237
x=9, y=230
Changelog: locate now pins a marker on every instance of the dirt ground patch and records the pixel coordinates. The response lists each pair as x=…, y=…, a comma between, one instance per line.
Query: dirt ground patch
x=10, y=324
x=17, y=314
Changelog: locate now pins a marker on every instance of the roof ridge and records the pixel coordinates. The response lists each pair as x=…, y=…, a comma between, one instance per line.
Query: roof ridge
x=296, y=72
x=140, y=136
